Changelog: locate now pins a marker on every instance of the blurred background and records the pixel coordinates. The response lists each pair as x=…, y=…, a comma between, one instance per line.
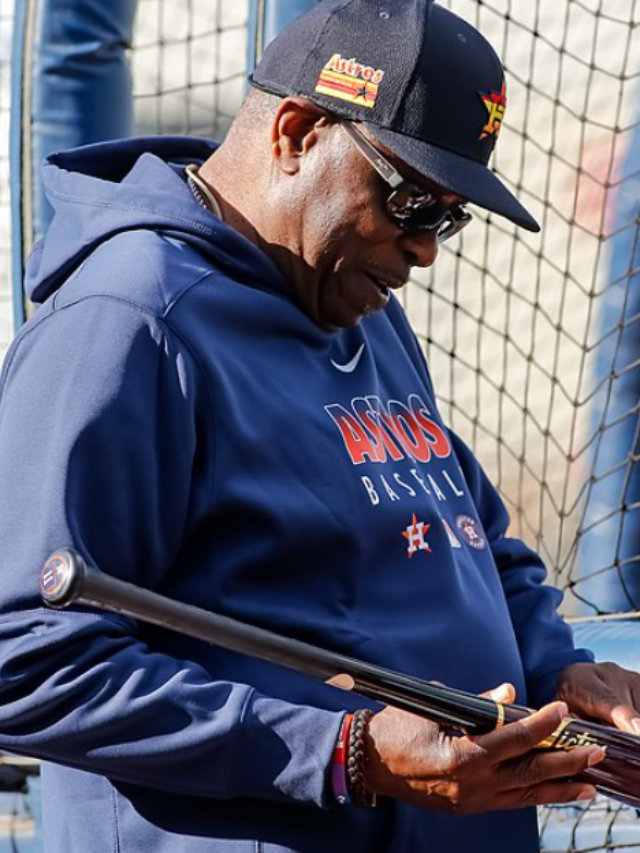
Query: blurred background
x=533, y=339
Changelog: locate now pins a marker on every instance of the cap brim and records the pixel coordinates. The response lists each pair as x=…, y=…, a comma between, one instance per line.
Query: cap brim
x=467, y=178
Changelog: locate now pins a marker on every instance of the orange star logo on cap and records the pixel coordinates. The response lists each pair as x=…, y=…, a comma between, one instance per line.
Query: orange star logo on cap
x=496, y=104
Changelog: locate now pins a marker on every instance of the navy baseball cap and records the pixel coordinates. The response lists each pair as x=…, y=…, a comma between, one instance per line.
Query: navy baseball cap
x=424, y=82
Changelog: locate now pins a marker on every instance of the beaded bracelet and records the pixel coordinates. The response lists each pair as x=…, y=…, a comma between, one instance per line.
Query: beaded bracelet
x=356, y=757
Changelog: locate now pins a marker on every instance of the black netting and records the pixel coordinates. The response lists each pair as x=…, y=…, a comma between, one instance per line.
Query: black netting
x=534, y=339
x=188, y=65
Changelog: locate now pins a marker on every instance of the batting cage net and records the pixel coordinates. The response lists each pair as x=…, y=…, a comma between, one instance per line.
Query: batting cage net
x=188, y=62
x=533, y=339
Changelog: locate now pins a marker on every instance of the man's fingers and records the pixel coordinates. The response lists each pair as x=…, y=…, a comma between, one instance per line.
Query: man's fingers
x=598, y=700
x=546, y=793
x=602, y=703
x=626, y=718
x=541, y=767
x=505, y=693
x=516, y=739
x=603, y=692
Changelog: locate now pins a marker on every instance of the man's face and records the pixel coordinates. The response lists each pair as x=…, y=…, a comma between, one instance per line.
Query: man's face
x=351, y=252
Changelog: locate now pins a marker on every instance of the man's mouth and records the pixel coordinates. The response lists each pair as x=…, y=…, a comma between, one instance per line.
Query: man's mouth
x=386, y=280
x=382, y=286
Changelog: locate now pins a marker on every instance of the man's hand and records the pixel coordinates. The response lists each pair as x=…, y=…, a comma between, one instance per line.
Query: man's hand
x=411, y=759
x=603, y=692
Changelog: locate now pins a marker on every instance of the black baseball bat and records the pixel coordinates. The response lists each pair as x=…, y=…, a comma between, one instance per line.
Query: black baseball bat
x=66, y=579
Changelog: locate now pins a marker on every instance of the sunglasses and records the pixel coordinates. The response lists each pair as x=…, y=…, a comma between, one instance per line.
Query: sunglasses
x=411, y=208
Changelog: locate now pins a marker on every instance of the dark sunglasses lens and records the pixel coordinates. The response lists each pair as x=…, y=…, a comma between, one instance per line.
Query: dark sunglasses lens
x=446, y=221
x=407, y=198
x=419, y=218
x=457, y=219
x=416, y=212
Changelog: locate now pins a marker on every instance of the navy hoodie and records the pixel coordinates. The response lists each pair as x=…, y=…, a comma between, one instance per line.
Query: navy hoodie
x=171, y=413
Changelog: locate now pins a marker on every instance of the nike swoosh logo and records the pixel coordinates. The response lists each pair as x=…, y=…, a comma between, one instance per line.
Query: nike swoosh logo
x=350, y=366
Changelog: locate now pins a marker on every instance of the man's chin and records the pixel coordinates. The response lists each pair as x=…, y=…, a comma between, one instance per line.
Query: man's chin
x=347, y=313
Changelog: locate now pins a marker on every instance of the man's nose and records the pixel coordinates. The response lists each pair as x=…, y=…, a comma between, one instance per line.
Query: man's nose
x=422, y=248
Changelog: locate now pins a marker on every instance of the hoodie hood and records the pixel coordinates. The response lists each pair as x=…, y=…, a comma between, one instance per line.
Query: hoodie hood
x=101, y=190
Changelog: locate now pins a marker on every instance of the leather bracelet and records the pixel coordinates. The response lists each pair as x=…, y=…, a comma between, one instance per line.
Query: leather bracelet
x=356, y=758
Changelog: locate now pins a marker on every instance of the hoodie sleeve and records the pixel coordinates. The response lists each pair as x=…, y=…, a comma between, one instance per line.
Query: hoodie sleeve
x=100, y=412
x=545, y=640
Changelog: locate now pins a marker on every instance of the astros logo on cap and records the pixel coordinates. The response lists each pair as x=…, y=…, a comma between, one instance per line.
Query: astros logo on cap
x=350, y=81
x=496, y=104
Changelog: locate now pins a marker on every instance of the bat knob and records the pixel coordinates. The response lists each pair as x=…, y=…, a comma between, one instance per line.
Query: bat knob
x=60, y=577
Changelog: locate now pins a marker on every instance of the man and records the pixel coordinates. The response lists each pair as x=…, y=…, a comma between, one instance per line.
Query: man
x=220, y=399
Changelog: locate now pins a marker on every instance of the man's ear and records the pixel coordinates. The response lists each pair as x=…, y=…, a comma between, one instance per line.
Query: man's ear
x=295, y=131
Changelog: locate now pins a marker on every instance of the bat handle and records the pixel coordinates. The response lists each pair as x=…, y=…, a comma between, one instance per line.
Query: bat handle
x=63, y=577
